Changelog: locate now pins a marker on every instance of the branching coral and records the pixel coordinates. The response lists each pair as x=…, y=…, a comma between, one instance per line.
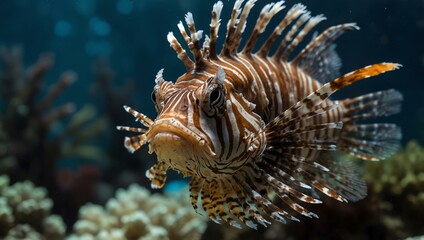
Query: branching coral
x=136, y=214
x=29, y=149
x=25, y=212
x=28, y=117
x=26, y=120
x=399, y=181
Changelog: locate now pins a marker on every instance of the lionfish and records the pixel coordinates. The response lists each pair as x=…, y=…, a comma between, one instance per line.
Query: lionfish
x=250, y=126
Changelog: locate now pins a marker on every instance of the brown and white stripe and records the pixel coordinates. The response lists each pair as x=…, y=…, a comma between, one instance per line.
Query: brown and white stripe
x=261, y=122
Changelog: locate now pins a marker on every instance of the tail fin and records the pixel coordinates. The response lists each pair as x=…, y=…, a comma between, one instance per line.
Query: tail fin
x=371, y=141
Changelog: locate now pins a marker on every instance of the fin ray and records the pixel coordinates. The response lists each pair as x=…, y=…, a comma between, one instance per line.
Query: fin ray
x=157, y=174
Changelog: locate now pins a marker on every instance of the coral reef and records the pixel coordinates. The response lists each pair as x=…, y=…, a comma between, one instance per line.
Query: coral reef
x=26, y=120
x=399, y=182
x=136, y=214
x=34, y=131
x=415, y=238
x=25, y=212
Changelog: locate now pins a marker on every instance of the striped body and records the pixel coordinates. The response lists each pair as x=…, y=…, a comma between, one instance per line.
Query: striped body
x=244, y=125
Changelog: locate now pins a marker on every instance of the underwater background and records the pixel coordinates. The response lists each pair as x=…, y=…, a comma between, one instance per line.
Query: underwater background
x=69, y=66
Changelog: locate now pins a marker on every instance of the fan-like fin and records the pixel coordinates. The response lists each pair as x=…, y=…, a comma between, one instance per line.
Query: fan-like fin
x=298, y=144
x=336, y=177
x=215, y=23
x=134, y=143
x=283, y=190
x=319, y=58
x=181, y=52
x=289, y=36
x=231, y=28
x=206, y=197
x=343, y=176
x=262, y=203
x=371, y=141
x=238, y=206
x=265, y=16
x=194, y=46
x=323, y=65
x=157, y=174
x=195, y=187
x=248, y=205
x=311, y=23
x=292, y=14
x=316, y=98
x=143, y=119
x=322, y=41
x=241, y=25
x=231, y=203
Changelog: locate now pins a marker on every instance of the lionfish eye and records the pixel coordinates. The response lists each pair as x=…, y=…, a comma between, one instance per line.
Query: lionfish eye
x=214, y=97
x=214, y=105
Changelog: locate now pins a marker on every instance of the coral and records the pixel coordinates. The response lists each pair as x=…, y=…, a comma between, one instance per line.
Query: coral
x=27, y=117
x=137, y=214
x=415, y=238
x=26, y=140
x=403, y=172
x=399, y=181
x=34, y=134
x=25, y=212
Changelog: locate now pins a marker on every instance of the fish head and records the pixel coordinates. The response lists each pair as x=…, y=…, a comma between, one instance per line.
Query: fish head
x=196, y=126
x=183, y=135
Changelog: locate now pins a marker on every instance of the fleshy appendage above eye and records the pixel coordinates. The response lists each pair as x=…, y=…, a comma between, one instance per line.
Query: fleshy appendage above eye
x=160, y=91
x=212, y=97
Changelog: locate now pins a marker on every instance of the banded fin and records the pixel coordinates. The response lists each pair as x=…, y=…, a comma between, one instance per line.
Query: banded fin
x=267, y=12
x=343, y=176
x=238, y=204
x=300, y=139
x=132, y=144
x=157, y=174
x=257, y=188
x=371, y=141
x=143, y=119
x=322, y=65
x=214, y=28
x=319, y=58
x=206, y=195
x=135, y=142
x=179, y=50
x=239, y=199
x=316, y=98
x=335, y=177
x=195, y=186
x=248, y=212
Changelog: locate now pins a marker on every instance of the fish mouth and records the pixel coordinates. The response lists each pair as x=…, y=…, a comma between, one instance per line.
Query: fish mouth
x=173, y=142
x=172, y=149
